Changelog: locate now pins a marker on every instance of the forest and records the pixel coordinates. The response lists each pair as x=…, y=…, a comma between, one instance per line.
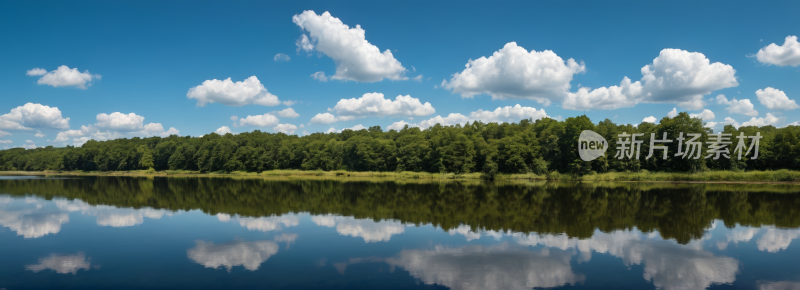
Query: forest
x=539, y=147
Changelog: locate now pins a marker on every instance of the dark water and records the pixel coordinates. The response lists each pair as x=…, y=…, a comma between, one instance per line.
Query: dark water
x=199, y=233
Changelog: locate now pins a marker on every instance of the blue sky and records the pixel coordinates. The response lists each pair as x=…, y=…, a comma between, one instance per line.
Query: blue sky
x=151, y=54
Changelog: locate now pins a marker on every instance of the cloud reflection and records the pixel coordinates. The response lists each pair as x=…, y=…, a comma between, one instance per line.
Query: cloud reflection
x=367, y=229
x=29, y=218
x=263, y=224
x=230, y=254
x=493, y=267
x=62, y=264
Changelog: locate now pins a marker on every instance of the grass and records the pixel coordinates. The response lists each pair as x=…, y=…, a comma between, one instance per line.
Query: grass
x=782, y=176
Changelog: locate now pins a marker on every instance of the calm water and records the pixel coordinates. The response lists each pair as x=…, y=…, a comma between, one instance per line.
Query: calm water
x=222, y=233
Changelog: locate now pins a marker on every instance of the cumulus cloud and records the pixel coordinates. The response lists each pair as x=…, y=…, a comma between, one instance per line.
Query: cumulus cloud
x=501, y=114
x=354, y=128
x=650, y=119
x=64, y=76
x=399, y=125
x=289, y=103
x=111, y=216
x=33, y=115
x=263, y=224
x=767, y=120
x=673, y=113
x=265, y=120
x=488, y=267
x=324, y=118
x=374, y=104
x=229, y=93
x=6, y=142
x=320, y=76
x=744, y=106
x=281, y=57
x=675, y=76
x=356, y=59
x=705, y=115
x=514, y=73
x=230, y=254
x=775, y=99
x=62, y=264
x=223, y=130
x=285, y=128
x=288, y=113
x=731, y=121
x=39, y=134
x=787, y=54
x=4, y=133
x=115, y=125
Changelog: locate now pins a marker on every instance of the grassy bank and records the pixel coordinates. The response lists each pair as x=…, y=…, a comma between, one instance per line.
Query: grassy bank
x=782, y=176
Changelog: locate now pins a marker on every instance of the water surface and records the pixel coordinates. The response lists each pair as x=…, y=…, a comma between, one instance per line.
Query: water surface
x=198, y=233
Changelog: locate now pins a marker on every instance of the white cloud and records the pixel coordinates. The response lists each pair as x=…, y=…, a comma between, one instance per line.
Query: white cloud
x=452, y=119
x=706, y=115
x=266, y=224
x=501, y=114
x=744, y=106
x=6, y=142
x=264, y=120
x=31, y=220
x=114, y=125
x=356, y=59
x=230, y=254
x=62, y=264
x=119, y=121
x=374, y=104
x=625, y=95
x=288, y=113
x=64, y=77
x=775, y=99
x=507, y=114
x=786, y=54
x=320, y=76
x=650, y=119
x=223, y=130
x=673, y=113
x=229, y=93
x=4, y=133
x=289, y=103
x=110, y=216
x=767, y=120
x=794, y=124
x=33, y=115
x=305, y=133
x=39, y=134
x=29, y=145
x=675, y=76
x=398, y=125
x=514, y=73
x=778, y=285
x=354, y=128
x=731, y=121
x=36, y=72
x=324, y=118
x=285, y=128
x=234, y=118
x=281, y=57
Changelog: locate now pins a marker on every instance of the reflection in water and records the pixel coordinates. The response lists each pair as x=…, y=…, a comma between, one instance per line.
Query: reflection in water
x=109, y=215
x=62, y=264
x=29, y=218
x=488, y=267
x=775, y=240
x=264, y=224
x=230, y=254
x=369, y=230
x=782, y=285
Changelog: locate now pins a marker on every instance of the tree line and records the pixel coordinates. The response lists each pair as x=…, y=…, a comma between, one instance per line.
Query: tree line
x=539, y=147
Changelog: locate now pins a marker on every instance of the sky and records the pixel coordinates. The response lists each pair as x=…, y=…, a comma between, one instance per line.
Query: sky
x=81, y=70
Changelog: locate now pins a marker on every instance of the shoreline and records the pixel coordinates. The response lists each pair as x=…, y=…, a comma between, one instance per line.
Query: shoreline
x=752, y=177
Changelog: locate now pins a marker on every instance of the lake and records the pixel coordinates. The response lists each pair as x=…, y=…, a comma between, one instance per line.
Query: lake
x=198, y=233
